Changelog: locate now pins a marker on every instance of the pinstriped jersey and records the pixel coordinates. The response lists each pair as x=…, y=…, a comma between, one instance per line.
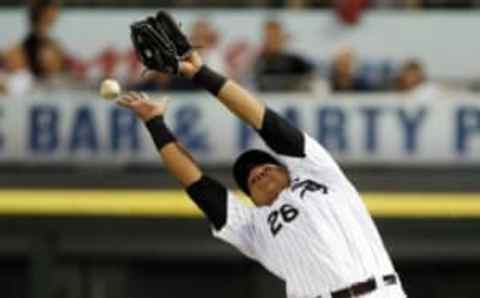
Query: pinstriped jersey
x=317, y=235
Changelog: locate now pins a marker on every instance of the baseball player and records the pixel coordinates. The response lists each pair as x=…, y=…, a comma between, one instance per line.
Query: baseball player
x=308, y=225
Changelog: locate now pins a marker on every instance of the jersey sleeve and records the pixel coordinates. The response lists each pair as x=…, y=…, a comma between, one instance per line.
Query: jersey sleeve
x=239, y=227
x=315, y=156
x=297, y=150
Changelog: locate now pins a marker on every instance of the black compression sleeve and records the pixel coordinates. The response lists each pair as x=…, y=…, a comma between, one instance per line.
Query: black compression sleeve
x=211, y=197
x=281, y=136
x=159, y=131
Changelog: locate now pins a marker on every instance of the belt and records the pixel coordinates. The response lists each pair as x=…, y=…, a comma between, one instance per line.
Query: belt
x=364, y=287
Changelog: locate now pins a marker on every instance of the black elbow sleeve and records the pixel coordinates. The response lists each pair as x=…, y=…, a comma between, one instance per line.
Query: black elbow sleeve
x=281, y=136
x=211, y=197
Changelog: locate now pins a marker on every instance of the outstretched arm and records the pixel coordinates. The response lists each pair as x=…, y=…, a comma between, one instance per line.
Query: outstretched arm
x=236, y=98
x=209, y=195
x=277, y=133
x=177, y=160
x=243, y=104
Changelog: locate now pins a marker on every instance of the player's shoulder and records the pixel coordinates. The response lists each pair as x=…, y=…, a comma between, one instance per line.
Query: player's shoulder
x=311, y=143
x=318, y=163
x=314, y=149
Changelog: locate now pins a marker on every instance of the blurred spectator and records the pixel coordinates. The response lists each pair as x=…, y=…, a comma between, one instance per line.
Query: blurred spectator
x=276, y=69
x=37, y=45
x=343, y=75
x=410, y=76
x=412, y=81
x=206, y=39
x=104, y=65
x=349, y=12
x=448, y=3
x=52, y=64
x=239, y=57
x=42, y=15
x=111, y=62
x=15, y=79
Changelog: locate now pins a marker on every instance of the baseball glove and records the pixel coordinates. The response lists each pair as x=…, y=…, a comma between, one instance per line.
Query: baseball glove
x=160, y=43
x=173, y=31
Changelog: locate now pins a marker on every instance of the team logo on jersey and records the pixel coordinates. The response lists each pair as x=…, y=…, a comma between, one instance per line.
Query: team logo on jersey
x=308, y=185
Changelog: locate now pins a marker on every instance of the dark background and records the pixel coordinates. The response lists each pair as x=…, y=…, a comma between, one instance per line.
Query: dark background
x=102, y=257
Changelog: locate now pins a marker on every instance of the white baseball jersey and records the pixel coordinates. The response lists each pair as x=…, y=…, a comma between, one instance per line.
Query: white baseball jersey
x=317, y=236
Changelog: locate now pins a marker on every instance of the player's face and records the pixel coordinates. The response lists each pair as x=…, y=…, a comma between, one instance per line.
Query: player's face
x=265, y=182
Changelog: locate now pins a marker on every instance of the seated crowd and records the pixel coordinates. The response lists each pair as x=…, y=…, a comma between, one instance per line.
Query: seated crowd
x=39, y=62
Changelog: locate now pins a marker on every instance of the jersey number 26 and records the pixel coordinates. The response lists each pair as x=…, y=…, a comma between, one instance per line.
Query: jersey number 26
x=277, y=218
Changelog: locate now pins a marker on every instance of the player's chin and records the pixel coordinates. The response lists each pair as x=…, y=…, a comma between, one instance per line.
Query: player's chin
x=263, y=200
x=269, y=186
x=268, y=192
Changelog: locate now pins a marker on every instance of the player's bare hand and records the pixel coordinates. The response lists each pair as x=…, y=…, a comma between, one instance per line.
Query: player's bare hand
x=191, y=64
x=143, y=106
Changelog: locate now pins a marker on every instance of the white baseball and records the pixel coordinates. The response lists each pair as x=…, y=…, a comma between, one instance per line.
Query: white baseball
x=110, y=89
